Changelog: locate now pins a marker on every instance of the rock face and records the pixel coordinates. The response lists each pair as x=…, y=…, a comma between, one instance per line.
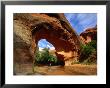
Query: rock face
x=29, y=28
x=88, y=35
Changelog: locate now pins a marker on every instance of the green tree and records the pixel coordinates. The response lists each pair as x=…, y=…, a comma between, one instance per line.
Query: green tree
x=93, y=44
x=44, y=57
x=86, y=50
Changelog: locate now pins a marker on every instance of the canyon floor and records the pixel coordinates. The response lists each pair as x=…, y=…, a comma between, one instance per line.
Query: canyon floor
x=76, y=69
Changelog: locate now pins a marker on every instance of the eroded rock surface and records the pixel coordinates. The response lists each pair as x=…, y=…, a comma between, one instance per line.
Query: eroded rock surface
x=88, y=35
x=29, y=28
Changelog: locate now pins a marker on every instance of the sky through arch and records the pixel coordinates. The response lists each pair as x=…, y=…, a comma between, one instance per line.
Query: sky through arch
x=43, y=43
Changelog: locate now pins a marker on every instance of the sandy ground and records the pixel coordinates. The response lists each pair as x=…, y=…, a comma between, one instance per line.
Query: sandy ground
x=76, y=69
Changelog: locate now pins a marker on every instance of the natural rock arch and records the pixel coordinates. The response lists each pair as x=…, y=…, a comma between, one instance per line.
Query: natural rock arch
x=29, y=28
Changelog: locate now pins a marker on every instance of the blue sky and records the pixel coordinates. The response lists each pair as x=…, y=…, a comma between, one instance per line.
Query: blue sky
x=79, y=21
x=44, y=43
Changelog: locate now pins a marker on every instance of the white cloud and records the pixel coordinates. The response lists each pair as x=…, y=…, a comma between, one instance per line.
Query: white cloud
x=49, y=46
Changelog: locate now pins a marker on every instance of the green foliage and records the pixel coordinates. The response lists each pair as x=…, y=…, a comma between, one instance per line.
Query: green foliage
x=92, y=59
x=43, y=57
x=88, y=61
x=52, y=59
x=88, y=52
x=93, y=44
x=85, y=52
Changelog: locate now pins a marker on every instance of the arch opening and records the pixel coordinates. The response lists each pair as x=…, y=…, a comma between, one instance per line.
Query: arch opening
x=46, y=54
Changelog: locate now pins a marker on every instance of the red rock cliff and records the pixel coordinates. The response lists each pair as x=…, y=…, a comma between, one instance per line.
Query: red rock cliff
x=88, y=35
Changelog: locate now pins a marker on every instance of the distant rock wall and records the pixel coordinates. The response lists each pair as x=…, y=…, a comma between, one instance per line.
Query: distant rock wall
x=88, y=35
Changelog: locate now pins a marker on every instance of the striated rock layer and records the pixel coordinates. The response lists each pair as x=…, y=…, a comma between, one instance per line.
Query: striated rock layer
x=29, y=28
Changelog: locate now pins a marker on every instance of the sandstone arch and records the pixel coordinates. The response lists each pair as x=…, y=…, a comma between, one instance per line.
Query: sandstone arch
x=29, y=28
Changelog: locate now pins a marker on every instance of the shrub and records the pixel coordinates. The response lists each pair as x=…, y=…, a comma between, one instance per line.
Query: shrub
x=92, y=57
x=93, y=44
x=86, y=50
x=43, y=57
x=88, y=53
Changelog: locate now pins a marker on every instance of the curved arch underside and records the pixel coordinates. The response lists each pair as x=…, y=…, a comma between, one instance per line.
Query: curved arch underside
x=30, y=28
